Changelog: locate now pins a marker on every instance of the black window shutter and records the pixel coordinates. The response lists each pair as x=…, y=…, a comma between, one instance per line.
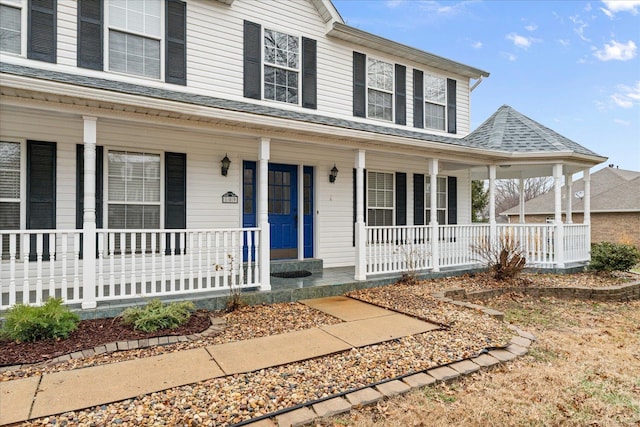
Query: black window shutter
x=90, y=21
x=41, y=191
x=355, y=201
x=452, y=200
x=252, y=62
x=309, y=73
x=418, y=199
x=401, y=94
x=401, y=198
x=41, y=43
x=451, y=106
x=175, y=190
x=359, y=84
x=418, y=99
x=80, y=185
x=176, y=43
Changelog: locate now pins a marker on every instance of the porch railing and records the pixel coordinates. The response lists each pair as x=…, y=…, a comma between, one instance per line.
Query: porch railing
x=411, y=248
x=36, y=264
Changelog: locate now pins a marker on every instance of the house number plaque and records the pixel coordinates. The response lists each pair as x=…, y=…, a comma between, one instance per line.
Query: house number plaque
x=230, y=197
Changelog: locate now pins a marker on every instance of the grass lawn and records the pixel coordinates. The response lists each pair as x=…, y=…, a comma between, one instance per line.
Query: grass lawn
x=583, y=370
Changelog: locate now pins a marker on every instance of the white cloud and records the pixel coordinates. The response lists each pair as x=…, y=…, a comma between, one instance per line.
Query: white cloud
x=393, y=3
x=448, y=8
x=476, y=45
x=616, y=51
x=614, y=6
x=587, y=8
x=531, y=27
x=564, y=42
x=580, y=27
x=521, y=41
x=622, y=122
x=627, y=96
x=510, y=56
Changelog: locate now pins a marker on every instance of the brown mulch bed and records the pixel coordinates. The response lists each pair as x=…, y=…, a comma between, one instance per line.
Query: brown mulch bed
x=91, y=333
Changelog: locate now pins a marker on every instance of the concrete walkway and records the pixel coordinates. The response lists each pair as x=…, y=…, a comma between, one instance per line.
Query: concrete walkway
x=59, y=392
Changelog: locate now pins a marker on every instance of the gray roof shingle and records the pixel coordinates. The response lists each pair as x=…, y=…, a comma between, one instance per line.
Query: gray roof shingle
x=505, y=131
x=509, y=130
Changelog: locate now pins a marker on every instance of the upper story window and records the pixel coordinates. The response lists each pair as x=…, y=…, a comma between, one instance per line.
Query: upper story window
x=281, y=66
x=135, y=36
x=379, y=89
x=29, y=27
x=435, y=102
x=380, y=199
x=11, y=27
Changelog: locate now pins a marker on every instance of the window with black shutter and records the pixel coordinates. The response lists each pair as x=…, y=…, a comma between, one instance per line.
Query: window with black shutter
x=401, y=94
x=90, y=20
x=401, y=198
x=359, y=85
x=309, y=73
x=41, y=38
x=175, y=197
x=176, y=42
x=41, y=192
x=451, y=106
x=418, y=99
x=252, y=61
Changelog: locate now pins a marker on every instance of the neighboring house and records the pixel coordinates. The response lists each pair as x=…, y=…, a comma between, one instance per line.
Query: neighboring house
x=615, y=206
x=162, y=147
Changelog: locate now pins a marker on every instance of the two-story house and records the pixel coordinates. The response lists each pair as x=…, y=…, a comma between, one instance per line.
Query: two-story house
x=163, y=146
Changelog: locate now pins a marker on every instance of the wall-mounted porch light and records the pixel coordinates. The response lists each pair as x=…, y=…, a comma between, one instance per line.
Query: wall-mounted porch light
x=333, y=174
x=225, y=162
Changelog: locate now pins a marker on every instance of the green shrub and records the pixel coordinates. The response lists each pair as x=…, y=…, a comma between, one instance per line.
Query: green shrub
x=29, y=323
x=607, y=256
x=156, y=315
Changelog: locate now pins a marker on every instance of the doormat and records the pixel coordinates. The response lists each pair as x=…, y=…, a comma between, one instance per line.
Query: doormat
x=292, y=274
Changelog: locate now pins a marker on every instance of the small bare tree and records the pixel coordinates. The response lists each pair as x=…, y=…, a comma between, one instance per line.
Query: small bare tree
x=505, y=258
x=508, y=191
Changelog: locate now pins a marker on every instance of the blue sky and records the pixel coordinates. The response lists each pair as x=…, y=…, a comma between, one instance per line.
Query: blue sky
x=573, y=66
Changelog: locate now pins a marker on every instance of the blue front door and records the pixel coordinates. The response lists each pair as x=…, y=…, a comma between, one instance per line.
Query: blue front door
x=283, y=210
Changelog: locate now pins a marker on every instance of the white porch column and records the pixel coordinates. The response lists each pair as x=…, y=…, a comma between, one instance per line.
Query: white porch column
x=263, y=214
x=568, y=183
x=586, y=204
x=559, y=240
x=522, y=201
x=361, y=232
x=586, y=200
x=493, y=231
x=433, y=208
x=300, y=209
x=89, y=214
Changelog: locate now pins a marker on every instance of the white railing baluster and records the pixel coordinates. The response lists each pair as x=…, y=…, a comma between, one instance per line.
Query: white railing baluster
x=143, y=264
x=163, y=259
x=189, y=253
x=13, y=239
x=76, y=267
x=100, y=265
x=52, y=264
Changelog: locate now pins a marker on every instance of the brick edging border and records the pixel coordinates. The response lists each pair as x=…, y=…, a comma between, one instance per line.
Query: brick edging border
x=217, y=325
x=620, y=293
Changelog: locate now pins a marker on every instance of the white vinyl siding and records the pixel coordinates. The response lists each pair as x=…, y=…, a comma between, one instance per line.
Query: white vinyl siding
x=379, y=89
x=135, y=37
x=281, y=66
x=435, y=96
x=380, y=198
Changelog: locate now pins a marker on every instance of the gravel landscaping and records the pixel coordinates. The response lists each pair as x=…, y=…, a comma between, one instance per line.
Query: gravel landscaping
x=232, y=399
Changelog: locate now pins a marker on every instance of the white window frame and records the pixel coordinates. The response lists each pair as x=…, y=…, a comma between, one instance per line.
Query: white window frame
x=298, y=70
x=433, y=102
x=393, y=197
x=24, y=22
x=23, y=179
x=392, y=92
x=427, y=199
x=107, y=200
x=161, y=39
